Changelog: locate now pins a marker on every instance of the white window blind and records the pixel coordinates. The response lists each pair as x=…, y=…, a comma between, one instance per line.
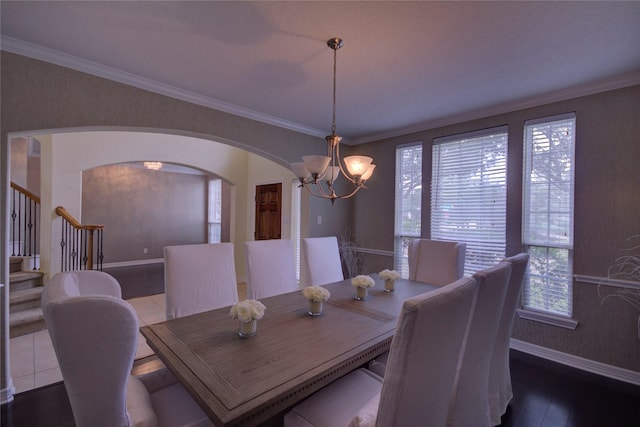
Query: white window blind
x=469, y=195
x=295, y=223
x=215, y=210
x=408, y=204
x=549, y=165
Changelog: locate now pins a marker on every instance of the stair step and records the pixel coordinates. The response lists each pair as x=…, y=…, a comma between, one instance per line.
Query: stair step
x=25, y=299
x=26, y=322
x=24, y=279
x=15, y=264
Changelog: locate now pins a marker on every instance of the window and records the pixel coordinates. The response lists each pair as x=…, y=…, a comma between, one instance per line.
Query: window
x=469, y=194
x=548, y=188
x=408, y=203
x=215, y=210
x=295, y=223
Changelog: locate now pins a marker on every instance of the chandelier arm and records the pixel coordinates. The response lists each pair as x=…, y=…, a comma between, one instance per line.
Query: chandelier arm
x=352, y=193
x=343, y=169
x=320, y=191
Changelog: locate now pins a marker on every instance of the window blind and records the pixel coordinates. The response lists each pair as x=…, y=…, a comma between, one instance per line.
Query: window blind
x=215, y=210
x=469, y=195
x=408, y=203
x=548, y=213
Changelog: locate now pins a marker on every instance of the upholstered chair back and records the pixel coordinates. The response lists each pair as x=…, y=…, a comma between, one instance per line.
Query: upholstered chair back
x=94, y=336
x=417, y=387
x=469, y=405
x=199, y=278
x=436, y=262
x=321, y=260
x=500, y=391
x=424, y=356
x=270, y=268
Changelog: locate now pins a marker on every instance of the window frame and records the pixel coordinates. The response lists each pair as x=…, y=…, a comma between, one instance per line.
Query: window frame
x=401, y=237
x=531, y=234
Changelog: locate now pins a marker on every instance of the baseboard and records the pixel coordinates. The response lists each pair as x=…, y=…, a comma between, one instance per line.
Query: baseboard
x=132, y=263
x=577, y=362
x=6, y=394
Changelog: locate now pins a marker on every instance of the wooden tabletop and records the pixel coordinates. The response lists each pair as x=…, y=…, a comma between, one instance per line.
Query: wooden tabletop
x=246, y=381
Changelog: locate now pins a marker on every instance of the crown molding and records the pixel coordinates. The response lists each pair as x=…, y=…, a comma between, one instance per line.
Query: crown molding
x=30, y=50
x=618, y=82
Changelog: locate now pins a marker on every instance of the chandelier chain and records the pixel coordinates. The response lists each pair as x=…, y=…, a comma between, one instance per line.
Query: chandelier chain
x=333, y=126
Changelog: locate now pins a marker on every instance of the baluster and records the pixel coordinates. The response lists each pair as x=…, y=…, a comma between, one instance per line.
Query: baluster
x=62, y=245
x=13, y=223
x=36, y=262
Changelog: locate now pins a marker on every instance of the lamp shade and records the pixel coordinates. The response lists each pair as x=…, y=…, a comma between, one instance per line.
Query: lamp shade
x=368, y=173
x=332, y=173
x=316, y=164
x=299, y=170
x=357, y=165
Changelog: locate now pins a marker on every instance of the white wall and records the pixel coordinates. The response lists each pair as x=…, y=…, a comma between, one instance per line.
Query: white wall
x=66, y=155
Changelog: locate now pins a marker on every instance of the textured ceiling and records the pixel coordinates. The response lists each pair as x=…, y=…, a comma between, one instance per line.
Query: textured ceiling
x=404, y=66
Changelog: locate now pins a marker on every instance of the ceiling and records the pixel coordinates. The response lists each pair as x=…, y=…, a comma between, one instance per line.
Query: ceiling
x=405, y=66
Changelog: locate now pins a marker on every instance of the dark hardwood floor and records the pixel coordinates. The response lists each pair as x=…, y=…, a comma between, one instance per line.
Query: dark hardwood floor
x=140, y=280
x=546, y=394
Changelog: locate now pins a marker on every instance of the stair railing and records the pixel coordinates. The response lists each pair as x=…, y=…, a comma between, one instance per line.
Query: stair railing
x=25, y=213
x=81, y=245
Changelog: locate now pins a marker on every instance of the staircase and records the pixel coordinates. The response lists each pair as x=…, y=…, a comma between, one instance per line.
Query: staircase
x=25, y=290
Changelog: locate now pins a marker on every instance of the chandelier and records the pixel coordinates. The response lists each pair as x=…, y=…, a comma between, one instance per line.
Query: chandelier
x=318, y=173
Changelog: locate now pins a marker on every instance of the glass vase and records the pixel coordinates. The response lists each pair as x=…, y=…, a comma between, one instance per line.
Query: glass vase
x=315, y=308
x=248, y=329
x=389, y=285
x=361, y=293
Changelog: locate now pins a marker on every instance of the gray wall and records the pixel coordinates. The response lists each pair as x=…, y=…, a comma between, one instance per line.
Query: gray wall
x=144, y=209
x=607, y=206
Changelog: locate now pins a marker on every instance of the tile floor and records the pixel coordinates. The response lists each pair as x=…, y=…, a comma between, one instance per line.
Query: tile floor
x=33, y=361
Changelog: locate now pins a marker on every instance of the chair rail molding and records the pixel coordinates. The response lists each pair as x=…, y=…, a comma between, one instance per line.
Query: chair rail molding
x=606, y=281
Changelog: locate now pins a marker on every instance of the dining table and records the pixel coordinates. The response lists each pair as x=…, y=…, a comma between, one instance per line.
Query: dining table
x=248, y=381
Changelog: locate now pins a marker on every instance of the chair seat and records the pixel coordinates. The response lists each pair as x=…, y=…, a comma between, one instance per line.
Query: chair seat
x=175, y=407
x=336, y=404
x=139, y=406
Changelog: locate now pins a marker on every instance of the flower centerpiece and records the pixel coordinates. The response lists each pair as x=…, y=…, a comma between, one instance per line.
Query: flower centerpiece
x=389, y=277
x=362, y=283
x=248, y=312
x=316, y=296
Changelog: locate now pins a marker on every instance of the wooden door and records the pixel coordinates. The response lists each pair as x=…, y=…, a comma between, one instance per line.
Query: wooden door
x=268, y=211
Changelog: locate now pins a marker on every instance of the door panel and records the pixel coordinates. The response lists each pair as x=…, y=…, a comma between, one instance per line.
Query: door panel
x=268, y=211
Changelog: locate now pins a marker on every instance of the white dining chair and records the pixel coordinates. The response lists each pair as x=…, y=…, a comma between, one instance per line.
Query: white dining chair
x=94, y=335
x=469, y=402
x=321, y=260
x=421, y=369
x=436, y=262
x=500, y=391
x=199, y=278
x=270, y=268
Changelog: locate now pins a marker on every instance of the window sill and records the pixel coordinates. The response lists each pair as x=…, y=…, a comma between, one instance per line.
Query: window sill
x=549, y=319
